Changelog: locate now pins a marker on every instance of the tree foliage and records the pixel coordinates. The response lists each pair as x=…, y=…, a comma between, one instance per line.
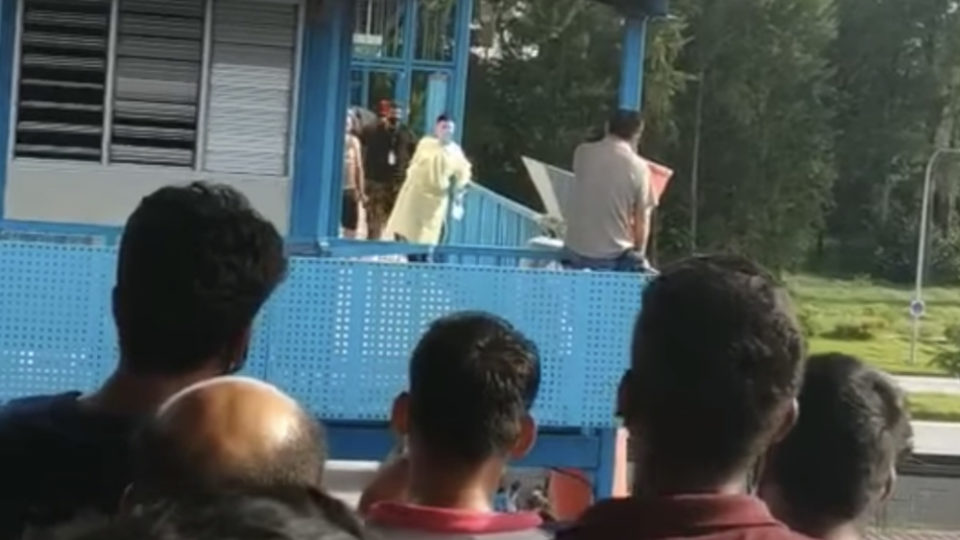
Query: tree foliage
x=814, y=118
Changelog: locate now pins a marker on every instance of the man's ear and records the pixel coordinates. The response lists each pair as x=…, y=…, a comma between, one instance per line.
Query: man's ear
x=889, y=484
x=235, y=357
x=623, y=395
x=526, y=439
x=115, y=304
x=400, y=415
x=127, y=503
x=787, y=422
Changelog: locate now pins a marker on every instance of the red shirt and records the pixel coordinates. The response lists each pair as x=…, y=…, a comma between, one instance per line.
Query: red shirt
x=704, y=517
x=405, y=521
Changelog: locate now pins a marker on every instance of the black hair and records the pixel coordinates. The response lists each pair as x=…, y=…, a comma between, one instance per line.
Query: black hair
x=196, y=263
x=164, y=466
x=625, y=124
x=473, y=378
x=717, y=355
x=443, y=118
x=279, y=514
x=853, y=428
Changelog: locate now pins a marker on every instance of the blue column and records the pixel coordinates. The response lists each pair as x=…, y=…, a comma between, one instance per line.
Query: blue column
x=461, y=56
x=436, y=100
x=607, y=466
x=8, y=22
x=631, y=68
x=324, y=97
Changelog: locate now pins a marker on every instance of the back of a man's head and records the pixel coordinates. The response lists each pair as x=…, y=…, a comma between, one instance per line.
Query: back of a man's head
x=231, y=433
x=279, y=514
x=839, y=460
x=626, y=125
x=196, y=263
x=717, y=360
x=473, y=379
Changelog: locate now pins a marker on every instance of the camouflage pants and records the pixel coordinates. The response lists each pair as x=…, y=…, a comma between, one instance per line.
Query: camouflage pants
x=381, y=196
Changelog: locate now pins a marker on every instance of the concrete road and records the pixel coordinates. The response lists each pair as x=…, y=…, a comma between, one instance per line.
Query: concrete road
x=930, y=385
x=936, y=438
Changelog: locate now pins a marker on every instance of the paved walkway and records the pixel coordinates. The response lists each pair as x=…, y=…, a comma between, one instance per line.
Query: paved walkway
x=937, y=438
x=930, y=385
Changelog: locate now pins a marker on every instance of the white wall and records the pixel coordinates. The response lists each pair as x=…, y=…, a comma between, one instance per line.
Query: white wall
x=90, y=193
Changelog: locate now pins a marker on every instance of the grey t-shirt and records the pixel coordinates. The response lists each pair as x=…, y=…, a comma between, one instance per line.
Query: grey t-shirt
x=612, y=184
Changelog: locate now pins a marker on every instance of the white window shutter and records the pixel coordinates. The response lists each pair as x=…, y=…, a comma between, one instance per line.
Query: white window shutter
x=62, y=79
x=159, y=58
x=251, y=79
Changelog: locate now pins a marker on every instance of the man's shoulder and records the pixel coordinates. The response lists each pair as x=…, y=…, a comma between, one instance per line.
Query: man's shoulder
x=19, y=414
x=380, y=532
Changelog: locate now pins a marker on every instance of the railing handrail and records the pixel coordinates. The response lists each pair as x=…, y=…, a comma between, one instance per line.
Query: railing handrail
x=337, y=247
x=511, y=204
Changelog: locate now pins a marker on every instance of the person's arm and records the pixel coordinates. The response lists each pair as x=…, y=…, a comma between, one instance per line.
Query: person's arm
x=643, y=208
x=464, y=174
x=360, y=172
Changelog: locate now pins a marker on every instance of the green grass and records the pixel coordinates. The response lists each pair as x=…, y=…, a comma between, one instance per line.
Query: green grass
x=828, y=303
x=831, y=306
x=937, y=407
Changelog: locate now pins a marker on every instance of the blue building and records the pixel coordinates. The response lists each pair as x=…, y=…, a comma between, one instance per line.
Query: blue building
x=104, y=101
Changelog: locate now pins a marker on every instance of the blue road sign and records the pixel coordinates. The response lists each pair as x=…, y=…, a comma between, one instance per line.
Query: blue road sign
x=917, y=309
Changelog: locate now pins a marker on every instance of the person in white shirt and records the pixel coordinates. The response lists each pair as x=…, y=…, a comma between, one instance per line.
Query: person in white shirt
x=608, y=219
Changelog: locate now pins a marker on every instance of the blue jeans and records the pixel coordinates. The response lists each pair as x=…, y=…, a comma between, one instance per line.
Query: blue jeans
x=629, y=261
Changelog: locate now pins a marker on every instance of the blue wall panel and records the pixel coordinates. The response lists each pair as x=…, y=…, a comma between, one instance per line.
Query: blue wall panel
x=8, y=31
x=337, y=335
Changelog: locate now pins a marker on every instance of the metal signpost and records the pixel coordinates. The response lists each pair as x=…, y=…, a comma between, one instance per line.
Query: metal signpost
x=917, y=306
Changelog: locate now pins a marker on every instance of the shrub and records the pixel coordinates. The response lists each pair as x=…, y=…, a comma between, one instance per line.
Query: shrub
x=857, y=331
x=950, y=361
x=811, y=322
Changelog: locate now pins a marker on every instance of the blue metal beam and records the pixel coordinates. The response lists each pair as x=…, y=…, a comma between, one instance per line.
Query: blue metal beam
x=8, y=29
x=458, y=93
x=631, y=68
x=324, y=97
x=565, y=449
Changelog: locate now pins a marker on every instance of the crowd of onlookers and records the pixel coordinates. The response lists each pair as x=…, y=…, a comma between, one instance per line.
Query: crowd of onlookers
x=734, y=433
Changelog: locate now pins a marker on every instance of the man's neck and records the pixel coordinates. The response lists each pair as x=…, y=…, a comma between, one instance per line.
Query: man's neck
x=454, y=487
x=126, y=393
x=846, y=531
x=653, y=481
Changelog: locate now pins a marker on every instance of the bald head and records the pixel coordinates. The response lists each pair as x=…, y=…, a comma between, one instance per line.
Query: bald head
x=229, y=432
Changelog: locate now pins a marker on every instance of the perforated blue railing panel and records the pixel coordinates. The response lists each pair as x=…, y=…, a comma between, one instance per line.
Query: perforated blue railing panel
x=56, y=328
x=337, y=334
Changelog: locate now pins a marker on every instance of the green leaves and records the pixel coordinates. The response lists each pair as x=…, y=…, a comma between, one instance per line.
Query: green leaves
x=814, y=117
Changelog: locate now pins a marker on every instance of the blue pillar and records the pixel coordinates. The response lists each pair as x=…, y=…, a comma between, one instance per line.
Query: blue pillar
x=324, y=97
x=607, y=466
x=461, y=58
x=8, y=29
x=631, y=68
x=436, y=100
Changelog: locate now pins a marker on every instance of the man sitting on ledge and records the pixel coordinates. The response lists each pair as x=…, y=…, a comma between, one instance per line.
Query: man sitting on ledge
x=612, y=201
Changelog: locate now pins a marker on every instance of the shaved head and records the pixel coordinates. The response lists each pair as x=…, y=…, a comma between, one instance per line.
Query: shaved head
x=230, y=432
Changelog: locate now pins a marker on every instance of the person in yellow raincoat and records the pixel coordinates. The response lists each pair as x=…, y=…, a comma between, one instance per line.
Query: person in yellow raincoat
x=438, y=169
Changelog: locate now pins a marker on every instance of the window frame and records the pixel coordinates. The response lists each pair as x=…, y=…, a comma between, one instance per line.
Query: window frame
x=197, y=171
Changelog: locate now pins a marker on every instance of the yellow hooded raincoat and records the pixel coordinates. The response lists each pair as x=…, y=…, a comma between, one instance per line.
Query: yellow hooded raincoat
x=422, y=204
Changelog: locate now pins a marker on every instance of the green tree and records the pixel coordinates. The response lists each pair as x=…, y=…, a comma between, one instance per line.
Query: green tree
x=546, y=79
x=898, y=78
x=766, y=162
